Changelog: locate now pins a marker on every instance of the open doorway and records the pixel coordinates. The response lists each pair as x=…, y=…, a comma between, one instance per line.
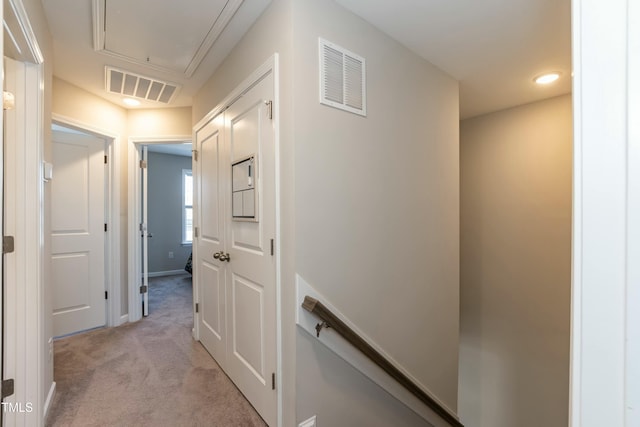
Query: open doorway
x=167, y=200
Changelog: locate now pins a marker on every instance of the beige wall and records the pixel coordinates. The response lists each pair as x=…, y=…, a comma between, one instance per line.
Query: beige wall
x=377, y=215
x=516, y=266
x=162, y=122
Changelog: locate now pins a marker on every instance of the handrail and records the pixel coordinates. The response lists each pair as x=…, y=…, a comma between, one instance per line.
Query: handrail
x=330, y=320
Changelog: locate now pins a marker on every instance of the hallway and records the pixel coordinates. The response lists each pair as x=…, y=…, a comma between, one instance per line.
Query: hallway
x=149, y=373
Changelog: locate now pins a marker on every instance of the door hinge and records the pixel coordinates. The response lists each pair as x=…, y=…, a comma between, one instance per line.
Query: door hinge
x=140, y=227
x=272, y=247
x=197, y=308
x=7, y=388
x=106, y=295
x=195, y=232
x=105, y=159
x=195, y=155
x=273, y=381
x=106, y=227
x=8, y=244
x=269, y=105
x=143, y=164
x=143, y=289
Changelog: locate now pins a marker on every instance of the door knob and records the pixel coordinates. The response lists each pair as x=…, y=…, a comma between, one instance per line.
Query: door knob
x=225, y=257
x=217, y=255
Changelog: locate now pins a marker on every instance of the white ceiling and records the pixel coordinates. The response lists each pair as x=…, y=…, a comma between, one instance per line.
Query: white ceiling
x=168, y=33
x=493, y=47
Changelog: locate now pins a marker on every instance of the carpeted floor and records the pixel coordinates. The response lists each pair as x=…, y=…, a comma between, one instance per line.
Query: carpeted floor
x=148, y=373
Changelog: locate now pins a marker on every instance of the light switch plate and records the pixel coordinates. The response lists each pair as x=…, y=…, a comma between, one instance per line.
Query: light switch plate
x=311, y=422
x=47, y=171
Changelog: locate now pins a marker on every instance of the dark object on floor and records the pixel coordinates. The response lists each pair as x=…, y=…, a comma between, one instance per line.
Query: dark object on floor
x=188, y=266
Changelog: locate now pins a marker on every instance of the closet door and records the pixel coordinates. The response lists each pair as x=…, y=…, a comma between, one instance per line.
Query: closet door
x=209, y=272
x=251, y=262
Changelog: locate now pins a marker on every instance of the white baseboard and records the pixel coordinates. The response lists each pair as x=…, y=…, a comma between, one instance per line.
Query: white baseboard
x=168, y=273
x=124, y=319
x=49, y=402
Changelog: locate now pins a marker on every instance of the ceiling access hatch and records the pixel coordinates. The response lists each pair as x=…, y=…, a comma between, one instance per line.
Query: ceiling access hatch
x=134, y=85
x=170, y=38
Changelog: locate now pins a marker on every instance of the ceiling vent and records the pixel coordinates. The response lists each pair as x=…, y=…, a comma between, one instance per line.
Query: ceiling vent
x=342, y=78
x=137, y=86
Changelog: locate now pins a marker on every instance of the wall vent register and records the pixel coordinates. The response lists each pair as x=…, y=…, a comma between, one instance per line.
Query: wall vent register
x=342, y=78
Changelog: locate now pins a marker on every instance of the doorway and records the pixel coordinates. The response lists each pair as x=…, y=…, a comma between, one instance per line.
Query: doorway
x=167, y=211
x=168, y=252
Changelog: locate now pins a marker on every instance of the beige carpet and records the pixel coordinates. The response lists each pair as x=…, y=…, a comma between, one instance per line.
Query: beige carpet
x=149, y=373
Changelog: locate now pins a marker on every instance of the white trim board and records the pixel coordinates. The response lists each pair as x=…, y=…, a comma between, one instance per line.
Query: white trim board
x=168, y=273
x=50, y=396
x=25, y=354
x=334, y=342
x=605, y=335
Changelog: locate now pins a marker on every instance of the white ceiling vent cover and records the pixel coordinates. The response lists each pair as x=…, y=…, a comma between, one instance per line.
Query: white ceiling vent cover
x=137, y=86
x=342, y=78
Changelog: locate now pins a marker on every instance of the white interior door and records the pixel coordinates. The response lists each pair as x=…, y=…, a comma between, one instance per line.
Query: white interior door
x=209, y=272
x=145, y=231
x=235, y=264
x=78, y=232
x=251, y=270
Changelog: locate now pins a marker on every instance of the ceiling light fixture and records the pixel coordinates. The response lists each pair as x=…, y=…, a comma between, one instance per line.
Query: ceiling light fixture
x=131, y=102
x=547, y=78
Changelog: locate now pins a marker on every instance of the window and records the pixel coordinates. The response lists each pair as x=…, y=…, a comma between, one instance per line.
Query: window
x=187, y=206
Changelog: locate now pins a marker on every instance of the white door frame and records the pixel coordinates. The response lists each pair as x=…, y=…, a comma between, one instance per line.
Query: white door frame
x=25, y=341
x=112, y=203
x=605, y=335
x=135, y=214
x=26, y=349
x=271, y=65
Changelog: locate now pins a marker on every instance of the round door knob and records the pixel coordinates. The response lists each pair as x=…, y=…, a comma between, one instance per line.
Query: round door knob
x=217, y=255
x=225, y=257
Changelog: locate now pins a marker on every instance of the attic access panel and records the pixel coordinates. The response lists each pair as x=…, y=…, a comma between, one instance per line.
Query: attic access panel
x=173, y=36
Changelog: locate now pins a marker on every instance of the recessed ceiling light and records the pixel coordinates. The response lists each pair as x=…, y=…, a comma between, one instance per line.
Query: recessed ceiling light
x=547, y=78
x=131, y=102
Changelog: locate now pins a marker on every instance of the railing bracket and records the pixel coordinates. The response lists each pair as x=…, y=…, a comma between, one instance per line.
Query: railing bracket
x=319, y=327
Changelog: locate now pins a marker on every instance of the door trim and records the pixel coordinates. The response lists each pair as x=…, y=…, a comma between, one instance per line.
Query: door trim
x=271, y=65
x=25, y=350
x=135, y=214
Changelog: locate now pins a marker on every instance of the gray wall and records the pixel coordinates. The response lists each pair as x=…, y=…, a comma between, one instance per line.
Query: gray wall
x=516, y=266
x=377, y=209
x=165, y=212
